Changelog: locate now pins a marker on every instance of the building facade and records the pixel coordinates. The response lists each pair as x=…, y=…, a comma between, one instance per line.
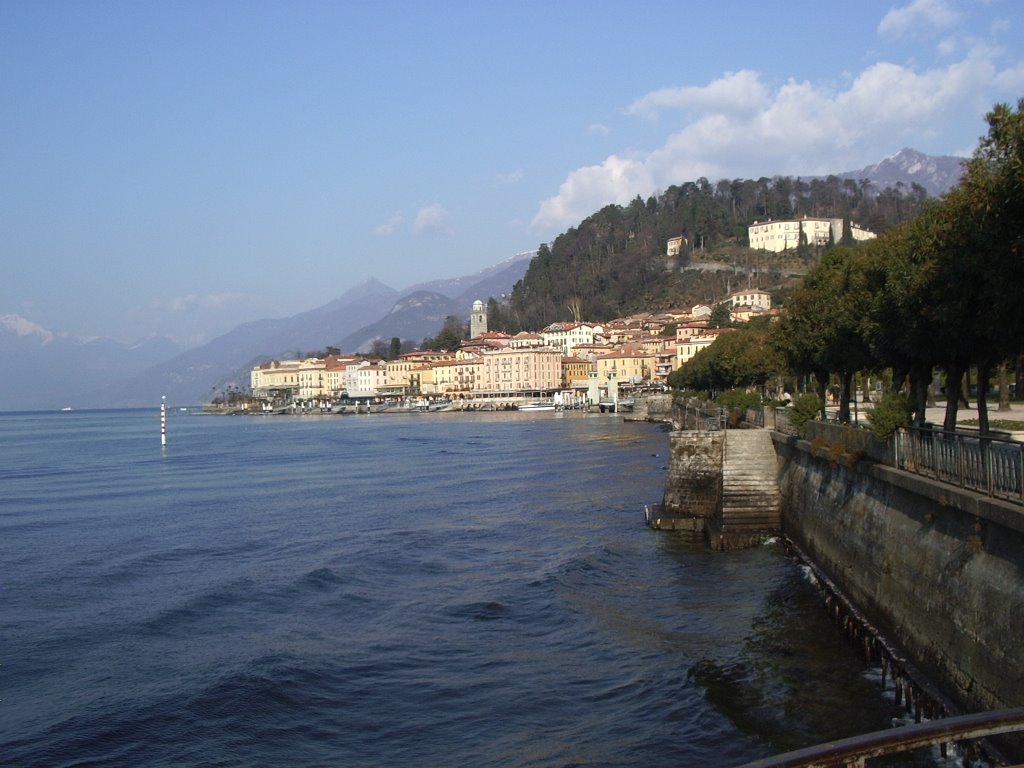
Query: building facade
x=778, y=236
x=751, y=297
x=520, y=370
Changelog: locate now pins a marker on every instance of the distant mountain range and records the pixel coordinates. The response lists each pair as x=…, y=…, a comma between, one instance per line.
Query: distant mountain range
x=937, y=175
x=58, y=369
x=63, y=370
x=48, y=370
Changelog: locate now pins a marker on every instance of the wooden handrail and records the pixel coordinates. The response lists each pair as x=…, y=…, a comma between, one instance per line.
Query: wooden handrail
x=856, y=749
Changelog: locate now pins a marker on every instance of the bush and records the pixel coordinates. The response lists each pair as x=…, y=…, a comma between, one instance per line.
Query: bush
x=738, y=400
x=889, y=414
x=806, y=408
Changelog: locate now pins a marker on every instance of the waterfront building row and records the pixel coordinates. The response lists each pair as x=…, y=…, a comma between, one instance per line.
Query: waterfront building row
x=637, y=350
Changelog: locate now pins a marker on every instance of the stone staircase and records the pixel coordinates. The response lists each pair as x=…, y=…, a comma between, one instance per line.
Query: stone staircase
x=751, y=502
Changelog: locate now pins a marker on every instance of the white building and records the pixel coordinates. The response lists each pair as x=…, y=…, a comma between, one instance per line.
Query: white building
x=751, y=297
x=566, y=337
x=674, y=246
x=778, y=236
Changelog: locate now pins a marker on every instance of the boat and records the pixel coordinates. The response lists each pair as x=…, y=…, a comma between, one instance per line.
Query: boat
x=67, y=408
x=536, y=407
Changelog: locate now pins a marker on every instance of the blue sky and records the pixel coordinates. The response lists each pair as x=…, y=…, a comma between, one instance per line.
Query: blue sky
x=178, y=168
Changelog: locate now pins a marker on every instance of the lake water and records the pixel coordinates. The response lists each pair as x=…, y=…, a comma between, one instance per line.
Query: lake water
x=417, y=590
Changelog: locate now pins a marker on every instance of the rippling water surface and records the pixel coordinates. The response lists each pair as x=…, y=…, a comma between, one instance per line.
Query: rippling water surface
x=423, y=590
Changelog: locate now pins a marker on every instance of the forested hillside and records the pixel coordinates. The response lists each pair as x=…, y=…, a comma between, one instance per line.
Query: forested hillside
x=615, y=261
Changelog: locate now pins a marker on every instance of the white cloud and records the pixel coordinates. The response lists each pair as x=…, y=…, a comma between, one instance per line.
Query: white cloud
x=919, y=16
x=598, y=129
x=432, y=219
x=192, y=319
x=390, y=226
x=739, y=126
x=1012, y=79
x=213, y=301
x=509, y=179
x=738, y=92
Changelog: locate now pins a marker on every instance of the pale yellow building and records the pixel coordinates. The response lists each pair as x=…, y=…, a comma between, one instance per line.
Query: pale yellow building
x=298, y=379
x=456, y=378
x=630, y=364
x=778, y=236
x=408, y=374
x=575, y=371
x=275, y=377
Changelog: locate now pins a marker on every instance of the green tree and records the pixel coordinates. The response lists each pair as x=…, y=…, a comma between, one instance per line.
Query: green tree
x=740, y=358
x=823, y=330
x=454, y=331
x=720, y=316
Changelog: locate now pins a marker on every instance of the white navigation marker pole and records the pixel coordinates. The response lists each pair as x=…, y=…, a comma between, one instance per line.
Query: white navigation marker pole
x=163, y=421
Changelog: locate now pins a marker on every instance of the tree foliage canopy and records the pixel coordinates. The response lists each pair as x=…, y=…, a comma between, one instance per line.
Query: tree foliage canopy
x=454, y=331
x=615, y=261
x=941, y=290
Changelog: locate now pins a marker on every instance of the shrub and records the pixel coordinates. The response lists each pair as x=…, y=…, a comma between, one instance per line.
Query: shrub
x=738, y=400
x=889, y=414
x=806, y=408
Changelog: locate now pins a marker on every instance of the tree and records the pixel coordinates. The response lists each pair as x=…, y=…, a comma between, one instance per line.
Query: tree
x=994, y=189
x=823, y=330
x=454, y=331
x=395, y=349
x=720, y=316
x=847, y=237
x=740, y=358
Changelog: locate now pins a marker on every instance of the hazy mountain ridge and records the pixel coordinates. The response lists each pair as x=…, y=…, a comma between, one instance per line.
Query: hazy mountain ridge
x=456, y=287
x=57, y=369
x=937, y=174
x=352, y=322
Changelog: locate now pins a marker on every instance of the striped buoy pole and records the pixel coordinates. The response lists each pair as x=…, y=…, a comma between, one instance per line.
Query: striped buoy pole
x=163, y=421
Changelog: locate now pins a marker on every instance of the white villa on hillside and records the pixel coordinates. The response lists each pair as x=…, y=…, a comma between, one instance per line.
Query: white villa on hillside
x=778, y=236
x=751, y=297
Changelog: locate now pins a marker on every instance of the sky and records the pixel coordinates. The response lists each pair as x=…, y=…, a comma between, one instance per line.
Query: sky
x=178, y=168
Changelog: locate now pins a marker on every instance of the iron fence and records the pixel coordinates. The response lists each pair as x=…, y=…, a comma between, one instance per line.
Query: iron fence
x=699, y=417
x=990, y=465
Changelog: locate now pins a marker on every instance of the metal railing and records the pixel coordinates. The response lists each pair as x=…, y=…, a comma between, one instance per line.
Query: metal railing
x=856, y=749
x=989, y=465
x=698, y=417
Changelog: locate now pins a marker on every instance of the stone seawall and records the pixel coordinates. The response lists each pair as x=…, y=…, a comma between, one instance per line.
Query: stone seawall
x=693, y=483
x=938, y=570
x=652, y=407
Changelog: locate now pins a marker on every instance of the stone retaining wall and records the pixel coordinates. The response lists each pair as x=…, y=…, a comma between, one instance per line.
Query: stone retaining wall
x=938, y=570
x=694, y=480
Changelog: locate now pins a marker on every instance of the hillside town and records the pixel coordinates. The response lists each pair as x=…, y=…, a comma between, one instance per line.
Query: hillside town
x=571, y=364
x=575, y=364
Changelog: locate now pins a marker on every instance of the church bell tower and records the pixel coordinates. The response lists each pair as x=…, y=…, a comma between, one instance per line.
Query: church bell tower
x=478, y=320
